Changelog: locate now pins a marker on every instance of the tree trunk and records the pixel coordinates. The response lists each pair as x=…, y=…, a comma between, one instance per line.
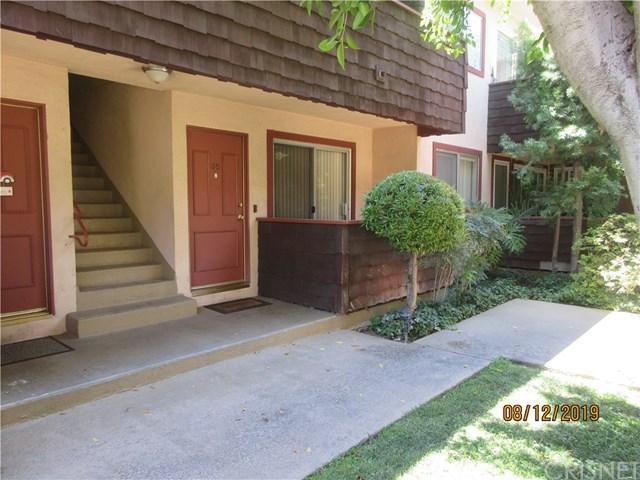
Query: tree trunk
x=556, y=245
x=412, y=282
x=577, y=223
x=597, y=47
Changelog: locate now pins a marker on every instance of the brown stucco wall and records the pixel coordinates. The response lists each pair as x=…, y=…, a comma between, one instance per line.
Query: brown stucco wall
x=394, y=149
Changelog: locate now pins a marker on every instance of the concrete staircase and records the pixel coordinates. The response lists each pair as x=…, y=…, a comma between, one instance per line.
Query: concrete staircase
x=122, y=281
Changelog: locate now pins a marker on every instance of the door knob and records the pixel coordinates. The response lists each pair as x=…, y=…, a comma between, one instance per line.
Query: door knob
x=240, y=216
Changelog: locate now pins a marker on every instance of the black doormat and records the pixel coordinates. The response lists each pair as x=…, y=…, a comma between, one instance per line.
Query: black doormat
x=30, y=349
x=237, y=305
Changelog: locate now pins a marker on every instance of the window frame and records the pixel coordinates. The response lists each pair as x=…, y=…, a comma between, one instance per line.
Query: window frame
x=513, y=166
x=458, y=151
x=560, y=172
x=503, y=162
x=483, y=21
x=274, y=137
x=545, y=173
x=514, y=52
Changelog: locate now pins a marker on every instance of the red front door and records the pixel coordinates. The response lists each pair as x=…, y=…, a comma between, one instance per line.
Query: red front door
x=216, y=206
x=24, y=275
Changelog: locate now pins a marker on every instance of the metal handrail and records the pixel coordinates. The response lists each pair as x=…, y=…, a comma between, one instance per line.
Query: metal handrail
x=77, y=215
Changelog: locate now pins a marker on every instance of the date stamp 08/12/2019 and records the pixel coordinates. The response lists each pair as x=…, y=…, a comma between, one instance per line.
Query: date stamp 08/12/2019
x=551, y=413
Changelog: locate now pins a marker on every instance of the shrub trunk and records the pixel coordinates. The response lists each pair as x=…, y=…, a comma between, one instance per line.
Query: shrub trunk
x=412, y=282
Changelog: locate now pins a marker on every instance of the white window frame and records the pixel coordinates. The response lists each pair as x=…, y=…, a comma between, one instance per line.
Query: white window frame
x=320, y=146
x=480, y=44
x=467, y=156
x=543, y=171
x=504, y=163
x=514, y=57
x=562, y=174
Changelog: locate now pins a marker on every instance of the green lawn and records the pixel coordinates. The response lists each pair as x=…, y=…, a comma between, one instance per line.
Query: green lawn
x=462, y=434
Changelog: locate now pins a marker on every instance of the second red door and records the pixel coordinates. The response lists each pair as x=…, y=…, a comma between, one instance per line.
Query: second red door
x=216, y=172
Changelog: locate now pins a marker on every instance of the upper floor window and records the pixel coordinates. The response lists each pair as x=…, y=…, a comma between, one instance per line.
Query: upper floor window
x=507, y=61
x=475, y=53
x=311, y=180
x=460, y=170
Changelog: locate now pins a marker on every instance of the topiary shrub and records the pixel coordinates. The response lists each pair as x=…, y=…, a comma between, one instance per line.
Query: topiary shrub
x=418, y=214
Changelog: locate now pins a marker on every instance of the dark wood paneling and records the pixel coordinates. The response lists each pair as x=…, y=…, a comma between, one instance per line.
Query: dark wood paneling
x=539, y=236
x=378, y=273
x=302, y=263
x=503, y=118
x=268, y=45
x=337, y=267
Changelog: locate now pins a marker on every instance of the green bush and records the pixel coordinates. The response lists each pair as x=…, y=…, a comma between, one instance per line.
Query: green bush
x=415, y=212
x=502, y=286
x=490, y=233
x=430, y=316
x=418, y=214
x=609, y=275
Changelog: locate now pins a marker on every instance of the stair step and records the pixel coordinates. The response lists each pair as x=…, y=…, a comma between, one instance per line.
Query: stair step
x=101, y=209
x=85, y=171
x=110, y=295
x=80, y=158
x=118, y=275
x=93, y=196
x=103, y=225
x=88, y=183
x=106, y=258
x=113, y=240
x=124, y=317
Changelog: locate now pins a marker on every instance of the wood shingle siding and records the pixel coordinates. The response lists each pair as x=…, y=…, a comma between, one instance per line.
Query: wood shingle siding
x=503, y=118
x=271, y=46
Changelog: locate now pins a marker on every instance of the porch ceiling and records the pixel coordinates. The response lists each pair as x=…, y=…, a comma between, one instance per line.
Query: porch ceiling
x=124, y=70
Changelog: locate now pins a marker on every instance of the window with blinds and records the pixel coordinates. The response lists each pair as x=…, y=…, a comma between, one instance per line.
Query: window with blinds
x=507, y=62
x=311, y=181
x=460, y=171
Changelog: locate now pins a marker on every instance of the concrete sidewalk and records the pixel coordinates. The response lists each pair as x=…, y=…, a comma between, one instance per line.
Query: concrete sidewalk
x=576, y=340
x=280, y=413
x=285, y=411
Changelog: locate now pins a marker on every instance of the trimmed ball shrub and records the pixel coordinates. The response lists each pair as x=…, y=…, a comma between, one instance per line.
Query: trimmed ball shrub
x=415, y=212
x=418, y=214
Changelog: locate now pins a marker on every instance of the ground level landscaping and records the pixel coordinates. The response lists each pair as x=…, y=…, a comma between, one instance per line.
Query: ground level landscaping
x=463, y=434
x=501, y=286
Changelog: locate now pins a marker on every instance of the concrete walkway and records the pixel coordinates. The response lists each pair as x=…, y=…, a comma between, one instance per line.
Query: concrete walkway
x=576, y=340
x=285, y=411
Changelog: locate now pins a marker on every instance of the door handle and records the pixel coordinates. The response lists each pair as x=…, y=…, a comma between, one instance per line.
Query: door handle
x=240, y=216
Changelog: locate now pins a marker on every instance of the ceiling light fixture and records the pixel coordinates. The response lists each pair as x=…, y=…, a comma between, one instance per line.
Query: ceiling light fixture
x=156, y=73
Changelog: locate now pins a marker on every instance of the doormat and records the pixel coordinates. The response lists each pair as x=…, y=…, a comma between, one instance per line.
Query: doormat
x=237, y=305
x=30, y=349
